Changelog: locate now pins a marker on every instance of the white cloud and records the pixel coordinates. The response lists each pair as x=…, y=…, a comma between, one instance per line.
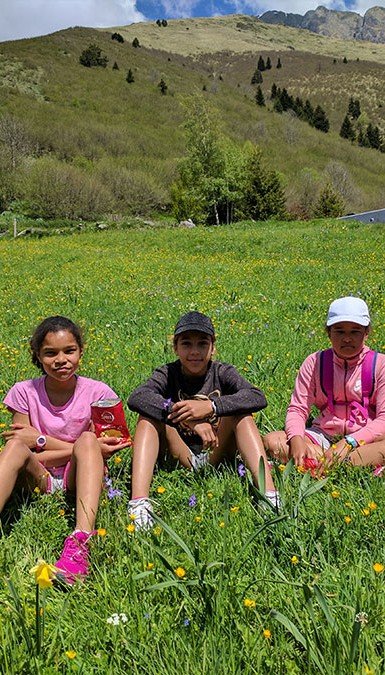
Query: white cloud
x=29, y=18
x=179, y=8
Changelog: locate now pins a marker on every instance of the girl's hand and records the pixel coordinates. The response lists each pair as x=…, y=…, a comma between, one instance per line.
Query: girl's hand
x=190, y=410
x=337, y=452
x=206, y=433
x=109, y=445
x=22, y=432
x=299, y=449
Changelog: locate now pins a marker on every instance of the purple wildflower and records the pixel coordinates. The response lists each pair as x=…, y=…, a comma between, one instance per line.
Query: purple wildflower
x=113, y=492
x=166, y=403
x=186, y=622
x=192, y=501
x=241, y=470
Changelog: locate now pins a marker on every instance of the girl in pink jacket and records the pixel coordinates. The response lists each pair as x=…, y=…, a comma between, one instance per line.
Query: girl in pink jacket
x=347, y=385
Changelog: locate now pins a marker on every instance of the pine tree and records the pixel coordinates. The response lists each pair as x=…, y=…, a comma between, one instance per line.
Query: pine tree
x=259, y=97
x=373, y=136
x=347, y=130
x=268, y=63
x=261, y=64
x=344, y=60
x=308, y=111
x=279, y=64
x=117, y=37
x=320, y=121
x=115, y=66
x=273, y=91
x=130, y=76
x=354, y=108
x=92, y=56
x=330, y=203
x=163, y=87
x=257, y=77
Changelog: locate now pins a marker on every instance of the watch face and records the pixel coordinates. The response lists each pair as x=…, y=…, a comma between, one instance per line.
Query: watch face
x=41, y=441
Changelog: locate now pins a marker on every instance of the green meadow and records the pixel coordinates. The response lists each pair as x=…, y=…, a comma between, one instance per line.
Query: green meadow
x=259, y=593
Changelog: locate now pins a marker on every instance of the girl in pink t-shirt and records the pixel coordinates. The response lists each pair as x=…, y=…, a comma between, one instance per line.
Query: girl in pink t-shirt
x=49, y=444
x=350, y=425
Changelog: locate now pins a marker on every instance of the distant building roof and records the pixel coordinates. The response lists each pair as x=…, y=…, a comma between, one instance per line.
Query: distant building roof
x=367, y=216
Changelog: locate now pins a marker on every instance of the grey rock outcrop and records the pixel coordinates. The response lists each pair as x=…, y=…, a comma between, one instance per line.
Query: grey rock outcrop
x=332, y=23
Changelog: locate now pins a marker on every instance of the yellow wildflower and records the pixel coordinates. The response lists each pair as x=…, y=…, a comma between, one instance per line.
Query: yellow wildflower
x=198, y=519
x=161, y=490
x=157, y=530
x=294, y=560
x=281, y=467
x=365, y=512
x=210, y=495
x=101, y=532
x=347, y=520
x=234, y=509
x=37, y=490
x=378, y=568
x=267, y=634
x=43, y=573
x=180, y=572
x=349, y=505
x=335, y=494
x=70, y=654
x=150, y=566
x=249, y=603
x=372, y=506
x=117, y=459
x=221, y=523
x=61, y=512
x=131, y=528
x=301, y=469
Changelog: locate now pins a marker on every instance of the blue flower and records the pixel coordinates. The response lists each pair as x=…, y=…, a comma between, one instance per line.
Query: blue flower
x=192, y=501
x=113, y=492
x=186, y=622
x=241, y=470
x=166, y=403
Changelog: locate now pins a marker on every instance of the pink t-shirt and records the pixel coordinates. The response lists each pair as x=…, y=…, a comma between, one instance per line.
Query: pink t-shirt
x=66, y=422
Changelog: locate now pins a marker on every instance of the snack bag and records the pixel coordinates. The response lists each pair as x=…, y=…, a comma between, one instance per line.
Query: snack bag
x=108, y=418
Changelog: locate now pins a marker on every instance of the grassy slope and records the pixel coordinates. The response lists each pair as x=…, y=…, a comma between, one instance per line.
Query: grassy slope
x=267, y=290
x=94, y=113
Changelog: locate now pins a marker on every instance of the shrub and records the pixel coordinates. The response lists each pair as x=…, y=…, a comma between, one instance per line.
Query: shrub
x=118, y=37
x=130, y=76
x=92, y=56
x=330, y=203
x=135, y=43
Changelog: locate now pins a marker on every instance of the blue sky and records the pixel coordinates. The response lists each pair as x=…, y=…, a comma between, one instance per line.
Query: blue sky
x=29, y=18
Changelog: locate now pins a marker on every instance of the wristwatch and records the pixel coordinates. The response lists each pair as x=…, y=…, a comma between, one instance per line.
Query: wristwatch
x=351, y=441
x=41, y=443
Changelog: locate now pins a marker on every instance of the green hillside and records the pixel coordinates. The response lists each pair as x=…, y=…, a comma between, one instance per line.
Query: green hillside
x=122, y=142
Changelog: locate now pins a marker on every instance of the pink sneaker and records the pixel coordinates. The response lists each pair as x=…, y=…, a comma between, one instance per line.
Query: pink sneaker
x=73, y=562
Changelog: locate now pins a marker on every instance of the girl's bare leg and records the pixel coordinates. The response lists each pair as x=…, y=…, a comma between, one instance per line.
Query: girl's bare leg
x=85, y=477
x=146, y=451
x=371, y=454
x=15, y=459
x=243, y=430
x=276, y=446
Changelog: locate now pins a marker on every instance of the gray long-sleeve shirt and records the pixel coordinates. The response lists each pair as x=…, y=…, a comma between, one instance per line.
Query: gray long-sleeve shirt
x=232, y=394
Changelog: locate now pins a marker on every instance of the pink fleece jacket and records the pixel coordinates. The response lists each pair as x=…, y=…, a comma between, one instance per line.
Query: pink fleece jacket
x=347, y=388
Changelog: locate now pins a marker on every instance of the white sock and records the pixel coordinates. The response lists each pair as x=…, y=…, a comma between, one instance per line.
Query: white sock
x=273, y=497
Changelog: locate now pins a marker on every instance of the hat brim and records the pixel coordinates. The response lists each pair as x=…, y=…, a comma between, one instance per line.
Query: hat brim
x=194, y=327
x=352, y=319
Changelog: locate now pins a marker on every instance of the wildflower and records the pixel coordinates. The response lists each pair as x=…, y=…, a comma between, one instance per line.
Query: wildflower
x=131, y=528
x=367, y=670
x=378, y=470
x=281, y=467
x=335, y=494
x=37, y=490
x=347, y=520
x=61, y=512
x=234, y=509
x=150, y=566
x=372, y=506
x=157, y=530
x=166, y=403
x=192, y=501
x=198, y=519
x=249, y=603
x=349, y=505
x=70, y=654
x=221, y=523
x=180, y=572
x=117, y=459
x=44, y=574
x=241, y=470
x=115, y=619
x=266, y=634
x=249, y=357
x=186, y=622
x=161, y=490
x=301, y=469
x=101, y=532
x=361, y=618
x=310, y=463
x=294, y=560
x=210, y=495
x=378, y=568
x=113, y=492
x=365, y=512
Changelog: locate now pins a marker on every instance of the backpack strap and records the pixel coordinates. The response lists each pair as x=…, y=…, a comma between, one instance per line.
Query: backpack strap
x=368, y=376
x=327, y=376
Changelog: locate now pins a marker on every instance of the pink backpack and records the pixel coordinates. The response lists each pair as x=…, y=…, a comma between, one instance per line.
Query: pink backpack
x=368, y=369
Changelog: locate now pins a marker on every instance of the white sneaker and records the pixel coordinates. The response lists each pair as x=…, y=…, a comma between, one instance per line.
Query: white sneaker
x=139, y=511
x=273, y=497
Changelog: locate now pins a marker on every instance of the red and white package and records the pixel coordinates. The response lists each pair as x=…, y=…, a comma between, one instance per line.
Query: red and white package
x=108, y=418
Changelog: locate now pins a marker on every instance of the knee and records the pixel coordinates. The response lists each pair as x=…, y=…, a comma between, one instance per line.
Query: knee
x=17, y=452
x=276, y=445
x=87, y=442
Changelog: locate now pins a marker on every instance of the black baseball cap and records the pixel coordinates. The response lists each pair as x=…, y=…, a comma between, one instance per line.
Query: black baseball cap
x=194, y=321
